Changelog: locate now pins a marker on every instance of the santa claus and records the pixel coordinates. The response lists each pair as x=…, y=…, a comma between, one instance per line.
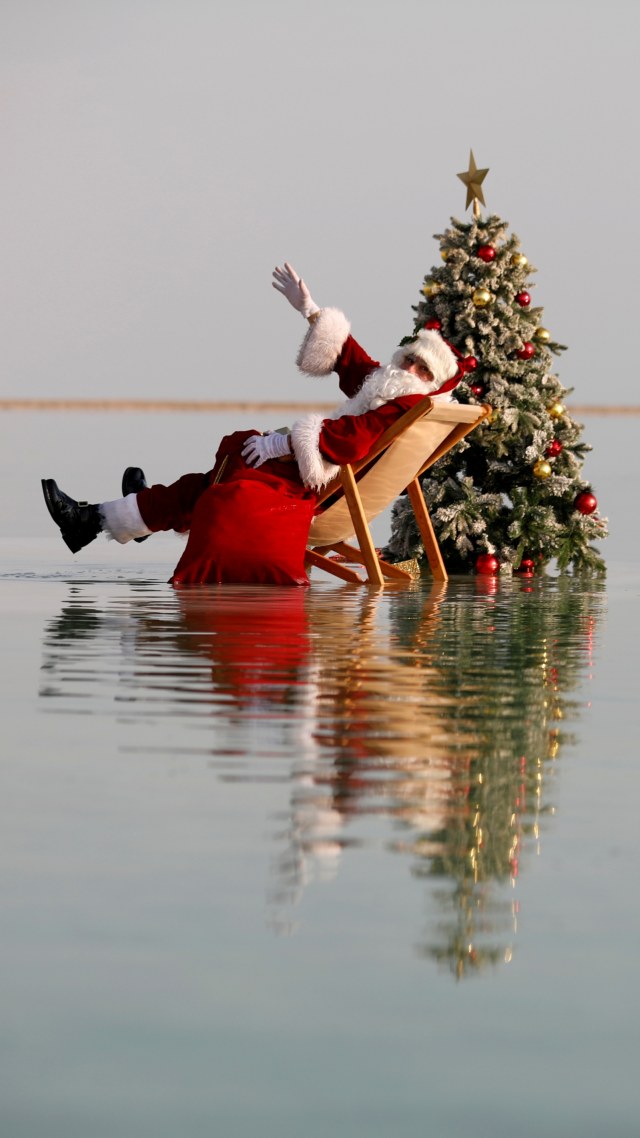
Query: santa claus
x=248, y=517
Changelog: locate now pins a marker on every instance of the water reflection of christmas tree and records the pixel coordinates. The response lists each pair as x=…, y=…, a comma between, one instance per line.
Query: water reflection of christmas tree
x=512, y=665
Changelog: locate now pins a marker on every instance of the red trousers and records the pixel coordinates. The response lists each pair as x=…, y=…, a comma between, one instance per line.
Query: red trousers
x=171, y=507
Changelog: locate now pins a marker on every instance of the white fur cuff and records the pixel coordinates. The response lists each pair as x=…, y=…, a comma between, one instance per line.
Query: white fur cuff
x=315, y=471
x=323, y=342
x=122, y=519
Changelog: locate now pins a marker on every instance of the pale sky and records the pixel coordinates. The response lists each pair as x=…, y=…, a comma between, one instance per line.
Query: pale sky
x=159, y=157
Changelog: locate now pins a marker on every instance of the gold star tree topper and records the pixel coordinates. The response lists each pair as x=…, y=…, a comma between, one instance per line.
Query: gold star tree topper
x=473, y=179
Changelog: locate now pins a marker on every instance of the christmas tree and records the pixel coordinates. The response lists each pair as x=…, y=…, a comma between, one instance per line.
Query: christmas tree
x=511, y=497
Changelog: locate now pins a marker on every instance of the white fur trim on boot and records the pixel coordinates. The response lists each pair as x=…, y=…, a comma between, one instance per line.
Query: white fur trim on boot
x=122, y=519
x=315, y=471
x=323, y=342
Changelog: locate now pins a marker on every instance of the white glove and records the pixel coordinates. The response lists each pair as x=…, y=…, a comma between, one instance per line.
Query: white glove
x=292, y=286
x=260, y=448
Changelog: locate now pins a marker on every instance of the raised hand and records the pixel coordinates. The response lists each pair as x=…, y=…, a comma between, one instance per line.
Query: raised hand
x=287, y=281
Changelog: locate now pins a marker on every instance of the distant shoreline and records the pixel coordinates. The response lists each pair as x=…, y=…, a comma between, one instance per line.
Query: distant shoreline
x=155, y=405
x=181, y=405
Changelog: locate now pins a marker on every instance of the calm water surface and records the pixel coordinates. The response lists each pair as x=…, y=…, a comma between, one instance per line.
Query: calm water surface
x=311, y=862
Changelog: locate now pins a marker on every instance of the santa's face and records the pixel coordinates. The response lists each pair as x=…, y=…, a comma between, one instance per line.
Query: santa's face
x=416, y=367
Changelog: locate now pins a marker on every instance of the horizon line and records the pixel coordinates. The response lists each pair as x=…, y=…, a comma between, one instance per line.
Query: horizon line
x=182, y=405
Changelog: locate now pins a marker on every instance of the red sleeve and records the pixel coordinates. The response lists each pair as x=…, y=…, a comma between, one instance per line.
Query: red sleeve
x=351, y=437
x=353, y=365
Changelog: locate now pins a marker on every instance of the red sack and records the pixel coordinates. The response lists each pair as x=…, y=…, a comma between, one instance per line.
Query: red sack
x=247, y=531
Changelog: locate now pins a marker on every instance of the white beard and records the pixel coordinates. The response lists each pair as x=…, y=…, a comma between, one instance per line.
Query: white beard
x=381, y=386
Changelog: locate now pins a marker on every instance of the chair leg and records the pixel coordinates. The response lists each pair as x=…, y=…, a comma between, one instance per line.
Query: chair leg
x=361, y=526
x=388, y=570
x=333, y=567
x=427, y=533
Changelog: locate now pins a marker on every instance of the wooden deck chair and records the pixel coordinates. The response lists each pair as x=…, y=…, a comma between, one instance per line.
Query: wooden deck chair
x=361, y=491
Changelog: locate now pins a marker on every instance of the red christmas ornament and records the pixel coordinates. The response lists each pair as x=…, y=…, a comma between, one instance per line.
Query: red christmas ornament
x=554, y=449
x=477, y=389
x=586, y=502
x=469, y=363
x=527, y=351
x=435, y=324
x=487, y=253
x=487, y=564
x=523, y=299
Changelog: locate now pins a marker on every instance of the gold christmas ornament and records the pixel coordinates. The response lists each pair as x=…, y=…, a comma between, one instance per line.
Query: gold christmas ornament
x=542, y=334
x=481, y=298
x=444, y=253
x=519, y=261
x=542, y=468
x=556, y=410
x=411, y=567
x=431, y=289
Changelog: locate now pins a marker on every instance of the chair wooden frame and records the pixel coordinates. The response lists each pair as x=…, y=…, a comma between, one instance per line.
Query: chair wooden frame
x=395, y=463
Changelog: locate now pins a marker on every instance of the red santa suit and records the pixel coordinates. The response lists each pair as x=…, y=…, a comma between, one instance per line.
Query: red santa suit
x=250, y=524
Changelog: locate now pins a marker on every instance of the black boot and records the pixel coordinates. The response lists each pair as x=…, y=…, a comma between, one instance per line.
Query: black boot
x=79, y=522
x=133, y=481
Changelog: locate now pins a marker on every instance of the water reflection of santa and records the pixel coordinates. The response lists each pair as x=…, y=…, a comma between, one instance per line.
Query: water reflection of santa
x=370, y=733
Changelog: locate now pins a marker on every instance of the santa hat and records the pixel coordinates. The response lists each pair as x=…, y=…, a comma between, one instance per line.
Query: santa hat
x=429, y=347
